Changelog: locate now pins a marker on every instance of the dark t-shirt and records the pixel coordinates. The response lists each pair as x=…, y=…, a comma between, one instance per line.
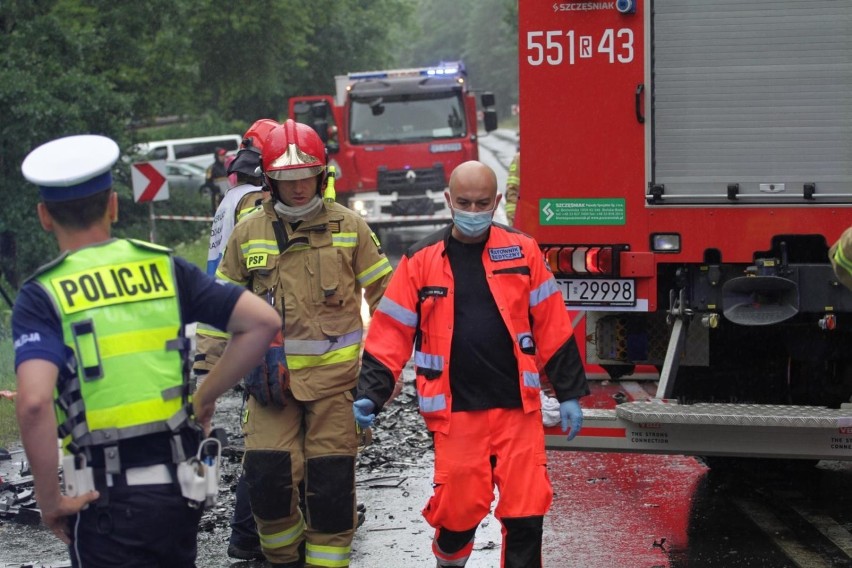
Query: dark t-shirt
x=37, y=333
x=483, y=367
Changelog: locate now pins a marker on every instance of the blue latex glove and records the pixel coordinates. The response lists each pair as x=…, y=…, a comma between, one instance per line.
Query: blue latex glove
x=570, y=410
x=363, y=409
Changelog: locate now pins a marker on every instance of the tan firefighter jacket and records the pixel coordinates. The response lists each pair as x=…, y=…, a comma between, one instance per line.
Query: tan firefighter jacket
x=314, y=276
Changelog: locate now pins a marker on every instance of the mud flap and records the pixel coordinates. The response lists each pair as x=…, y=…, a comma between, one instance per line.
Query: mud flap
x=330, y=507
x=269, y=478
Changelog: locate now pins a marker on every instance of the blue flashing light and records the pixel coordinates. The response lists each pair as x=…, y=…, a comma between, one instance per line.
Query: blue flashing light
x=369, y=75
x=443, y=69
x=626, y=6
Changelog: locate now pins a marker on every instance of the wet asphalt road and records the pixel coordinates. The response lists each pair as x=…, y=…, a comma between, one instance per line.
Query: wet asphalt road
x=609, y=510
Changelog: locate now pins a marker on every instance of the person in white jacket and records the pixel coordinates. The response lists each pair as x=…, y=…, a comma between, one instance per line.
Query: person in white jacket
x=243, y=197
x=240, y=200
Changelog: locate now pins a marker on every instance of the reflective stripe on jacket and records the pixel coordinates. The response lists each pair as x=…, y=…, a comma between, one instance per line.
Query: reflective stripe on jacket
x=120, y=315
x=237, y=203
x=314, y=275
x=418, y=310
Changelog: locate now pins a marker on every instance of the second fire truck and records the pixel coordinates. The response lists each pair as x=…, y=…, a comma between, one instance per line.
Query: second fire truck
x=394, y=136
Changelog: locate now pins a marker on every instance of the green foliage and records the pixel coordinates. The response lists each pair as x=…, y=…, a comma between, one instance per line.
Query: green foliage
x=195, y=251
x=117, y=68
x=492, y=59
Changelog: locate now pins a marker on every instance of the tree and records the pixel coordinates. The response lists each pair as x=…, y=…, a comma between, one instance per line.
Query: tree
x=482, y=33
x=106, y=67
x=491, y=52
x=49, y=85
x=252, y=60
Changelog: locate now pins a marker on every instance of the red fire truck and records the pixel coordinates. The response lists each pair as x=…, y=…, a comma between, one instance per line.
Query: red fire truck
x=686, y=166
x=395, y=135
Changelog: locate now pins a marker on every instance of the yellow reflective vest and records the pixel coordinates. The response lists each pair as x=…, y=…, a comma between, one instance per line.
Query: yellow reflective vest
x=118, y=306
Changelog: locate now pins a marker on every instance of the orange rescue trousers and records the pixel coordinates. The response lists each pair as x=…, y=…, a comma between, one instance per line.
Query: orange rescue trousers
x=483, y=449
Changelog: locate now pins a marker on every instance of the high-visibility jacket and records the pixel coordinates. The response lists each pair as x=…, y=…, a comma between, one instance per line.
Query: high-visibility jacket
x=841, y=258
x=120, y=315
x=513, y=188
x=418, y=310
x=237, y=203
x=314, y=275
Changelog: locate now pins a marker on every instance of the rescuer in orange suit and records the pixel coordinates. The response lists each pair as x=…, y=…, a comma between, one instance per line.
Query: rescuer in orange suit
x=487, y=323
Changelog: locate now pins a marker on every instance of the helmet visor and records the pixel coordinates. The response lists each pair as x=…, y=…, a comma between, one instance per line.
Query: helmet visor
x=295, y=173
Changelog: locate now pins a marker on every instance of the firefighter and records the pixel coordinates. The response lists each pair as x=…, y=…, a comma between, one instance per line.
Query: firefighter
x=243, y=197
x=237, y=203
x=240, y=200
x=841, y=258
x=311, y=259
x=101, y=329
x=513, y=188
x=488, y=324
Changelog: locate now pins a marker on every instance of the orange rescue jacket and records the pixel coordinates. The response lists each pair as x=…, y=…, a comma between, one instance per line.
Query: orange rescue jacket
x=417, y=309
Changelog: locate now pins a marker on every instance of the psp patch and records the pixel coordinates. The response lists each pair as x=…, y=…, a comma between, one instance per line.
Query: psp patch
x=505, y=253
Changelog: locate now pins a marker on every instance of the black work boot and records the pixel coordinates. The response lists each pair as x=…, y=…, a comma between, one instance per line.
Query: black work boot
x=247, y=553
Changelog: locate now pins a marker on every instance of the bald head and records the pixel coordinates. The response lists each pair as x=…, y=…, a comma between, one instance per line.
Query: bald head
x=472, y=193
x=473, y=176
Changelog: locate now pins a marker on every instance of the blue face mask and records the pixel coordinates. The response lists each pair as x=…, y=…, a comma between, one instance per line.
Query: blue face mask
x=472, y=224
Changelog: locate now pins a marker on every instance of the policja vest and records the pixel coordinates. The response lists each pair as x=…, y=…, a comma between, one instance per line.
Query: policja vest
x=118, y=306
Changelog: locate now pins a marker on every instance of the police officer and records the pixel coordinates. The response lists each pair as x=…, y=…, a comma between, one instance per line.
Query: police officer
x=311, y=259
x=486, y=320
x=98, y=333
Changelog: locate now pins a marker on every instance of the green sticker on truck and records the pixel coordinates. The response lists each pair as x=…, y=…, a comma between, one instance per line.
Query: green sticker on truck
x=604, y=211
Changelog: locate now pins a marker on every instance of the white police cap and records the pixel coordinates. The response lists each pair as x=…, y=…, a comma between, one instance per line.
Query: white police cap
x=71, y=167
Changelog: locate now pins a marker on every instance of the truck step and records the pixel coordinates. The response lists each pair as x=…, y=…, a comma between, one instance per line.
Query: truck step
x=728, y=414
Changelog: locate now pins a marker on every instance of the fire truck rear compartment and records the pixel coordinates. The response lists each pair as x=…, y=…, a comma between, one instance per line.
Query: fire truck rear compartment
x=776, y=331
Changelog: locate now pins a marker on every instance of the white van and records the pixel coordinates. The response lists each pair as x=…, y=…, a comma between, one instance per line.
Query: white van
x=198, y=151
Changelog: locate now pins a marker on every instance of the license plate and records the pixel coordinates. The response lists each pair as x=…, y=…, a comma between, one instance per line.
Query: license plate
x=595, y=292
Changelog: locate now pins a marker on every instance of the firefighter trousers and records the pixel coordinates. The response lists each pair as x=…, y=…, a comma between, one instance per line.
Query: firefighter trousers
x=309, y=442
x=486, y=448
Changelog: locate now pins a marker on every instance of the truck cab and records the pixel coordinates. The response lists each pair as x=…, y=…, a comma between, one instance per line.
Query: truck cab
x=394, y=137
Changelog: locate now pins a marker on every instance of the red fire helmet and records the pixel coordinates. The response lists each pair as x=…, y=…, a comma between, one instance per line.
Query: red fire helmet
x=293, y=151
